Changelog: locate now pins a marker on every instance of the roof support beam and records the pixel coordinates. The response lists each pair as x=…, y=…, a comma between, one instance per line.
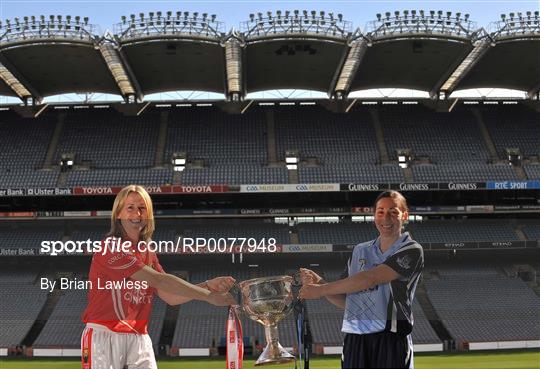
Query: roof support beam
x=17, y=83
x=482, y=44
x=120, y=71
x=350, y=67
x=233, y=68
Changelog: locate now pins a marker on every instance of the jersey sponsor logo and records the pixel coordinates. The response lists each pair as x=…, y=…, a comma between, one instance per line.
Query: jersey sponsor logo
x=362, y=264
x=404, y=262
x=137, y=296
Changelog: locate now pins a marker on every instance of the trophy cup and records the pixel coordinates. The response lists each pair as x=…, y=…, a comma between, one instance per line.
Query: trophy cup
x=267, y=301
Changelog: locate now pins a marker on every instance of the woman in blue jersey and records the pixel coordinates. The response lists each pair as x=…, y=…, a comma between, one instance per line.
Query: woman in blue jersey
x=376, y=291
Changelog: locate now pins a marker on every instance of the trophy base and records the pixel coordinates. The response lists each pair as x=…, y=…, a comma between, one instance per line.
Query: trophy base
x=274, y=355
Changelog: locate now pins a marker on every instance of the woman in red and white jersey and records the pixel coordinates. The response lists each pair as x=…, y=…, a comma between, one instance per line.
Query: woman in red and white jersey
x=124, y=278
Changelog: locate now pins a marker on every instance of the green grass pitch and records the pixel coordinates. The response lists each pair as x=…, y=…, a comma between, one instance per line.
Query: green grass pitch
x=478, y=360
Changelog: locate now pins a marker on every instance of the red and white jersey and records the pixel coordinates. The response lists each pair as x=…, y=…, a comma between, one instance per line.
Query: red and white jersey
x=114, y=300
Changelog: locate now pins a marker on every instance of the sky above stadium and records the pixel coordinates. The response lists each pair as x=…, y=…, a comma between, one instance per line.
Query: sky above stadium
x=106, y=13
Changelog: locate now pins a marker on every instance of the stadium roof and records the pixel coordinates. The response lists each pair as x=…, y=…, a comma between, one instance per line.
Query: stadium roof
x=158, y=52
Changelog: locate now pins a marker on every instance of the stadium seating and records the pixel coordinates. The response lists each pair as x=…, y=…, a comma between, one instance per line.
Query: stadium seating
x=224, y=140
x=119, y=177
x=28, y=178
x=463, y=172
x=444, y=137
x=64, y=326
x=332, y=138
x=20, y=305
x=422, y=330
x=351, y=172
x=482, y=306
x=532, y=171
x=234, y=175
x=24, y=142
x=336, y=233
x=532, y=231
x=26, y=237
x=513, y=127
x=233, y=149
x=23, y=147
x=459, y=231
x=107, y=139
x=157, y=318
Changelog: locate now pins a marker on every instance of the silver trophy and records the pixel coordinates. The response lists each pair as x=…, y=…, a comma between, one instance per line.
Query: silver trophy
x=267, y=301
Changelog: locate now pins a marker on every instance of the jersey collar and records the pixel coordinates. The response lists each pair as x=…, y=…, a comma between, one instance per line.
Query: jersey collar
x=396, y=245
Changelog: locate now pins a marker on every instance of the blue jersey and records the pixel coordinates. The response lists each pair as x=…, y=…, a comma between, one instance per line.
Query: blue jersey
x=386, y=307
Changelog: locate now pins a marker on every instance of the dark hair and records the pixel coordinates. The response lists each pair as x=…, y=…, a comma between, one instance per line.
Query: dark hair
x=395, y=195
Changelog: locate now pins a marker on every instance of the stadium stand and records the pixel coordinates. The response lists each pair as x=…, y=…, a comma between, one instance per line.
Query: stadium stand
x=532, y=231
x=234, y=175
x=336, y=233
x=225, y=140
x=199, y=324
x=20, y=305
x=351, y=172
x=478, y=305
x=463, y=171
x=26, y=237
x=459, y=231
x=18, y=178
x=155, y=325
x=24, y=142
x=423, y=332
x=64, y=326
x=443, y=137
x=332, y=138
x=119, y=177
x=513, y=127
x=233, y=149
x=532, y=170
x=108, y=139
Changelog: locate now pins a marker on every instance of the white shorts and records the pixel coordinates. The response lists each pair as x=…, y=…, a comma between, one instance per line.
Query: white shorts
x=102, y=348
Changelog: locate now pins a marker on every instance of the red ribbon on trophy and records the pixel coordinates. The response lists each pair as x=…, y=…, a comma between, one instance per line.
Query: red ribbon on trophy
x=235, y=341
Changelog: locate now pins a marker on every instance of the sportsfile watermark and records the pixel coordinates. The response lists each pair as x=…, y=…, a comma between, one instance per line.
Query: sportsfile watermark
x=183, y=245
